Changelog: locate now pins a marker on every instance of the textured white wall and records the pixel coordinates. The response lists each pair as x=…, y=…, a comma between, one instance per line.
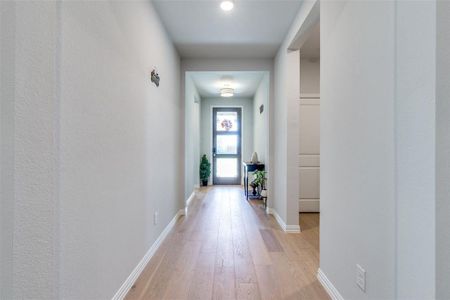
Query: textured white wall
x=121, y=144
x=261, y=121
x=443, y=151
x=206, y=126
x=29, y=149
x=377, y=128
x=192, y=134
x=7, y=43
x=84, y=163
x=309, y=76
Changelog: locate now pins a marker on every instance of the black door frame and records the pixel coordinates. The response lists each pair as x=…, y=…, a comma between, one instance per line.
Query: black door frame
x=227, y=181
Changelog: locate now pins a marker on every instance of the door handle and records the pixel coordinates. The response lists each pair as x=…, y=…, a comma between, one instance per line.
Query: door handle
x=214, y=151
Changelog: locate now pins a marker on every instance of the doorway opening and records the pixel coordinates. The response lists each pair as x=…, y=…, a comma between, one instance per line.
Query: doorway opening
x=226, y=128
x=307, y=45
x=309, y=123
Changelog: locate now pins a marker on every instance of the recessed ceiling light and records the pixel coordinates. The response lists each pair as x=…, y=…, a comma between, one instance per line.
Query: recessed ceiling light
x=227, y=92
x=227, y=5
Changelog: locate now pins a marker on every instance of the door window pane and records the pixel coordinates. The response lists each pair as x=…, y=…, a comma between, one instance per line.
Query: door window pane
x=227, y=144
x=227, y=121
x=226, y=167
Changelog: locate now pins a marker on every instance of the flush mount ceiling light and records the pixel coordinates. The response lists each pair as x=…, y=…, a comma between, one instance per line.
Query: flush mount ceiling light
x=227, y=92
x=227, y=5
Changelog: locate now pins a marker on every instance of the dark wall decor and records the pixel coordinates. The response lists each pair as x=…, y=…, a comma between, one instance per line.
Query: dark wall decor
x=155, y=77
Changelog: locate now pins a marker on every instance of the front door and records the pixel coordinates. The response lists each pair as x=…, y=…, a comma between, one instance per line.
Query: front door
x=226, y=150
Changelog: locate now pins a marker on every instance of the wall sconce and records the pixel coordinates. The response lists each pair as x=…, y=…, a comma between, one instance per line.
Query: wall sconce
x=155, y=77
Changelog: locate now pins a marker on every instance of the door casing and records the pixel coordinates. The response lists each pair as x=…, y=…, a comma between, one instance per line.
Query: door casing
x=227, y=181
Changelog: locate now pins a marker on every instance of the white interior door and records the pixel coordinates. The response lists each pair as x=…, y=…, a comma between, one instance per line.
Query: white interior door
x=309, y=156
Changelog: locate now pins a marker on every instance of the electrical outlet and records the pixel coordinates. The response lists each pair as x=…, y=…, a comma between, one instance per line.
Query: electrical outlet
x=155, y=218
x=361, y=278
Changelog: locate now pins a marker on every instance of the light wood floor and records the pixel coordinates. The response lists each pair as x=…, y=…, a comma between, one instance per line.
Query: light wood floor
x=228, y=248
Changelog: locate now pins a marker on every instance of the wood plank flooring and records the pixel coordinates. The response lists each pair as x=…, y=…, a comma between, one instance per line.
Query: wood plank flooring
x=228, y=248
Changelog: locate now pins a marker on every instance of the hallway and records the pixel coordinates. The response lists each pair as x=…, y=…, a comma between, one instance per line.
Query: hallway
x=227, y=249
x=114, y=113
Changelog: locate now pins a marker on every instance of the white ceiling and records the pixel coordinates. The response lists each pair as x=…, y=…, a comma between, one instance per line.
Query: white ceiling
x=311, y=47
x=254, y=28
x=209, y=84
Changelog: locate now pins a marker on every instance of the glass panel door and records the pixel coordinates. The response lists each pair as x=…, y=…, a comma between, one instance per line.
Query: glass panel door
x=226, y=145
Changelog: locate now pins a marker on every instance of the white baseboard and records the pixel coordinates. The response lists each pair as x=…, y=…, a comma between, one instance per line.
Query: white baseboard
x=188, y=201
x=126, y=286
x=328, y=286
x=192, y=196
x=280, y=221
x=292, y=229
x=309, y=205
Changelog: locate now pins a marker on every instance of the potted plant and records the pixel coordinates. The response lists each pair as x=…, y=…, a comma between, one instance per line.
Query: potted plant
x=205, y=170
x=259, y=181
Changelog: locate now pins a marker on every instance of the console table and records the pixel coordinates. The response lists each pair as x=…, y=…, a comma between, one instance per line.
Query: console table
x=250, y=167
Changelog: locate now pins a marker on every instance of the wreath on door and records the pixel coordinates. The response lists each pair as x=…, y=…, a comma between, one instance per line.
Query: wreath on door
x=226, y=124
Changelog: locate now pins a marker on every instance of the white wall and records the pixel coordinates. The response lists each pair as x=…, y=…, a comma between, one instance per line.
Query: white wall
x=443, y=151
x=377, y=147
x=226, y=64
x=29, y=149
x=261, y=120
x=309, y=76
x=120, y=142
x=7, y=32
x=84, y=125
x=415, y=116
x=357, y=147
x=206, y=126
x=192, y=134
x=286, y=124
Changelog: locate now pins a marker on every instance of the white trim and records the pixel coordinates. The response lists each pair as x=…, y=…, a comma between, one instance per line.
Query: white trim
x=309, y=96
x=328, y=286
x=126, y=286
x=191, y=197
x=309, y=102
x=292, y=229
x=286, y=228
x=309, y=160
x=277, y=217
x=184, y=211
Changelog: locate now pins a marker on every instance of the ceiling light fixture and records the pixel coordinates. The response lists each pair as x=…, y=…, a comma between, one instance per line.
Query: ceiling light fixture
x=227, y=92
x=227, y=5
